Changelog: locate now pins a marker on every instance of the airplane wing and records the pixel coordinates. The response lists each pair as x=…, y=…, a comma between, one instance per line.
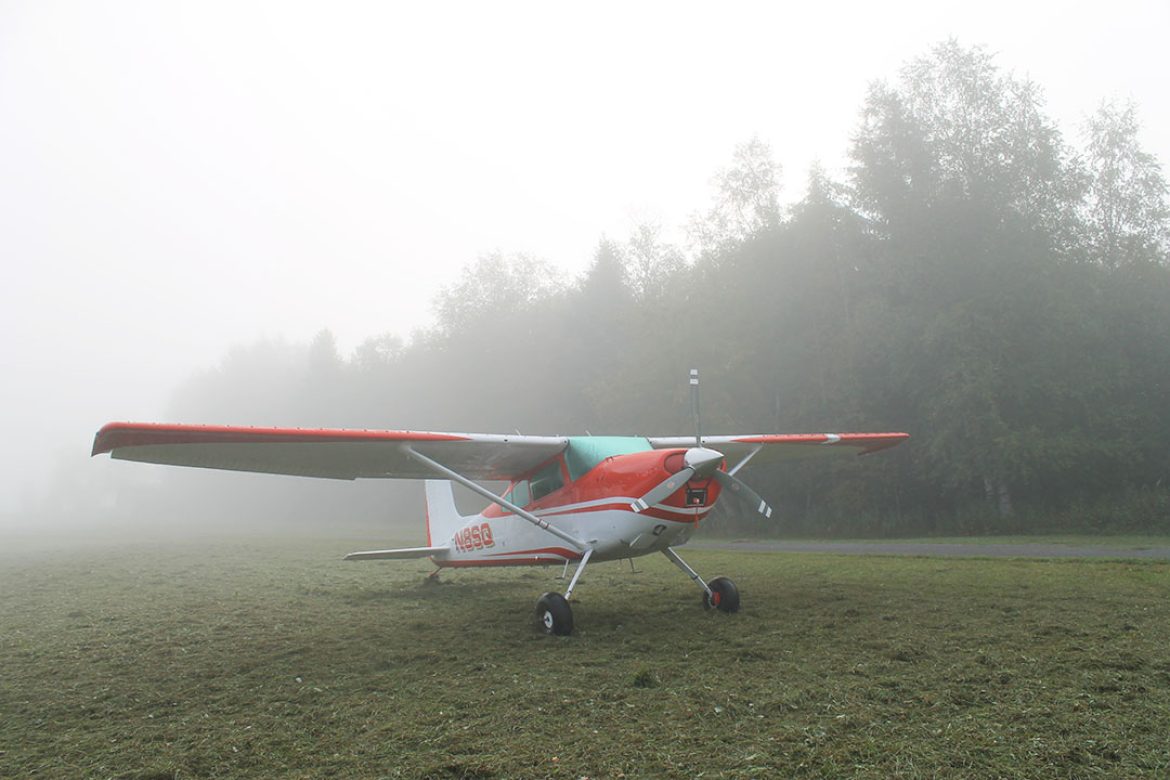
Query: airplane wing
x=787, y=446
x=328, y=453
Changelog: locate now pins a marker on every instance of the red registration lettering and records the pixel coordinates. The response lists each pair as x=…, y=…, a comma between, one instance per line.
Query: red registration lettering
x=475, y=537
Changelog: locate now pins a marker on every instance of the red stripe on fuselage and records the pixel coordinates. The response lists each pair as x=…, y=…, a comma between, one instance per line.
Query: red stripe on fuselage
x=624, y=506
x=534, y=557
x=474, y=562
x=564, y=552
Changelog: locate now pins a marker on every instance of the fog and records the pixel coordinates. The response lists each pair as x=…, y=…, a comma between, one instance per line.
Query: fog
x=181, y=180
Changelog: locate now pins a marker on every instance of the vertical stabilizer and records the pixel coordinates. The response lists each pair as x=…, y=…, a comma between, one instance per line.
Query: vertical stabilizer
x=443, y=518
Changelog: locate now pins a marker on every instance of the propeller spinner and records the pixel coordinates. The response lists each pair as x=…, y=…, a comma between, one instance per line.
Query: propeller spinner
x=699, y=462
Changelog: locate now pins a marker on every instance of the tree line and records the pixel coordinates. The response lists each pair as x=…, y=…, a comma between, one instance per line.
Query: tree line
x=976, y=279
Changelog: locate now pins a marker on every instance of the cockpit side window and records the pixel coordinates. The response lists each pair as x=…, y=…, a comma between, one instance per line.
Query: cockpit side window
x=519, y=494
x=547, y=480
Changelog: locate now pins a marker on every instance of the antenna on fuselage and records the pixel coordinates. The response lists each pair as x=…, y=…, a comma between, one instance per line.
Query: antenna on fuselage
x=695, y=406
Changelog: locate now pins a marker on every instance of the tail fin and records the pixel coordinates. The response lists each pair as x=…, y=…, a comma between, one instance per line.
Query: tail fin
x=443, y=518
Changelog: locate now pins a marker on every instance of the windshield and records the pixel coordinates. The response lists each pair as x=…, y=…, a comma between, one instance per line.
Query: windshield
x=585, y=452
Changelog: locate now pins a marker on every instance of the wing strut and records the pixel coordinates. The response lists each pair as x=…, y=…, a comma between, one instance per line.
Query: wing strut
x=744, y=462
x=490, y=496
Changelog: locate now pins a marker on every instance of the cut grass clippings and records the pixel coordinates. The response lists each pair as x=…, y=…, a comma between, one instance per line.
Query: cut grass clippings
x=273, y=658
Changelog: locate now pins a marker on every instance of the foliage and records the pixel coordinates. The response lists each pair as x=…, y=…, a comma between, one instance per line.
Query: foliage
x=1125, y=210
x=975, y=281
x=747, y=199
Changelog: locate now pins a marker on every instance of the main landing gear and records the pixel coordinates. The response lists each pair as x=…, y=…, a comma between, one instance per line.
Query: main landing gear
x=552, y=609
x=555, y=617
x=554, y=614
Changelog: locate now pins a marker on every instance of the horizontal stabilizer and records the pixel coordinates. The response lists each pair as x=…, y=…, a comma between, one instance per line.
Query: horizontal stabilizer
x=399, y=554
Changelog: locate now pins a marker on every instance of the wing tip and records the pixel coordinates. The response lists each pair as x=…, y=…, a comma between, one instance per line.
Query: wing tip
x=101, y=439
x=883, y=441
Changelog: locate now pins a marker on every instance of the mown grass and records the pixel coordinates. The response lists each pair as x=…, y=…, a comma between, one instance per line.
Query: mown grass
x=272, y=658
x=1123, y=541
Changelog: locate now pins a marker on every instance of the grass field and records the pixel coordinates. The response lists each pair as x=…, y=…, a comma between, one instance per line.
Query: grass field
x=1122, y=541
x=249, y=658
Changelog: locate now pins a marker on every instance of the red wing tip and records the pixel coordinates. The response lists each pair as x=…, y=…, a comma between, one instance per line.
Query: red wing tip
x=884, y=441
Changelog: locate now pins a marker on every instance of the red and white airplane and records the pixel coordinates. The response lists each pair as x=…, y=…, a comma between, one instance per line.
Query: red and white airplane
x=570, y=498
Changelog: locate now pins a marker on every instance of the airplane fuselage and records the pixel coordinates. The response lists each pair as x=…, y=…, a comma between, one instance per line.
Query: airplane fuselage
x=595, y=507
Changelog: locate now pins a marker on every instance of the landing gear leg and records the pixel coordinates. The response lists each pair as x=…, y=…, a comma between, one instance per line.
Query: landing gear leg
x=577, y=574
x=552, y=609
x=720, y=593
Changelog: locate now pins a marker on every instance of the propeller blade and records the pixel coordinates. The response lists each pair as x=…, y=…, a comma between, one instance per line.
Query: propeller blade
x=739, y=489
x=695, y=406
x=698, y=461
x=670, y=485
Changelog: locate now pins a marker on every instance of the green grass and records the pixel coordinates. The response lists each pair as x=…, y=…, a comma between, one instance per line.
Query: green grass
x=1120, y=541
x=272, y=658
x=1071, y=540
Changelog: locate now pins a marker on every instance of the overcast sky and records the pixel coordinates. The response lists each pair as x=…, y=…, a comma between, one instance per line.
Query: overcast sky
x=176, y=178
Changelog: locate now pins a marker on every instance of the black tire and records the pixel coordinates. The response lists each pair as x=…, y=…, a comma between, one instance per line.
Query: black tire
x=724, y=595
x=553, y=614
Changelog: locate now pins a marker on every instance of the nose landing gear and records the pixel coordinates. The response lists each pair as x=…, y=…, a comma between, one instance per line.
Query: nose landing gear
x=721, y=595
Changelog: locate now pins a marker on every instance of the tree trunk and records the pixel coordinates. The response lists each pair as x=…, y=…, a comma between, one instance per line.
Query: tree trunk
x=1005, y=501
x=998, y=496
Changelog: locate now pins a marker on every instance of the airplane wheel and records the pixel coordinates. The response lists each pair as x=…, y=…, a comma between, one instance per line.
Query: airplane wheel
x=724, y=595
x=554, y=615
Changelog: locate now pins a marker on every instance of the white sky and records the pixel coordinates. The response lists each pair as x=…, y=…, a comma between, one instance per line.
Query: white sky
x=179, y=177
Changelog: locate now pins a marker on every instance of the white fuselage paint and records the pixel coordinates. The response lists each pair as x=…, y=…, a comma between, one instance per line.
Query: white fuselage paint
x=613, y=534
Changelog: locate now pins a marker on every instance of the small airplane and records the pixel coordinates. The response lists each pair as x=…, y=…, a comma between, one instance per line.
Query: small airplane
x=569, y=498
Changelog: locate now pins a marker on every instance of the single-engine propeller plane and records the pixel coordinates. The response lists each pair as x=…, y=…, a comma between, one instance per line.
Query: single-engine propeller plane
x=570, y=498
